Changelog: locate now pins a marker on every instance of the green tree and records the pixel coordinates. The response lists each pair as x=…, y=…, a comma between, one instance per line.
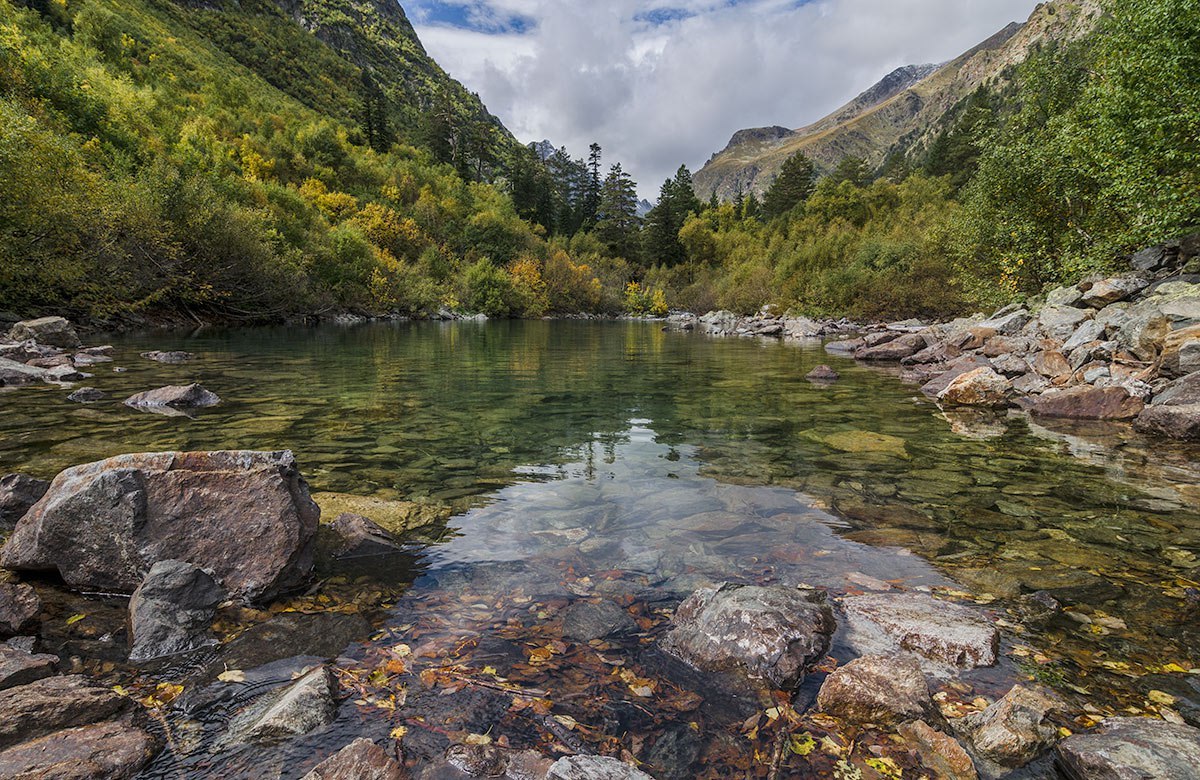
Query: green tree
x=617, y=220
x=852, y=169
x=791, y=187
x=676, y=201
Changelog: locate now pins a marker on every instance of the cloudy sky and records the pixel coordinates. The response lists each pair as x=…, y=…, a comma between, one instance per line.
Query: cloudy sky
x=663, y=82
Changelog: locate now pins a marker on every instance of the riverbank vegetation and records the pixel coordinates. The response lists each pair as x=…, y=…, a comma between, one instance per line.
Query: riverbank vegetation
x=165, y=161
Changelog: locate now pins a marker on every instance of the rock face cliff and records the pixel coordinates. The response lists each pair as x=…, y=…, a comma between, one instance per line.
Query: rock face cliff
x=902, y=109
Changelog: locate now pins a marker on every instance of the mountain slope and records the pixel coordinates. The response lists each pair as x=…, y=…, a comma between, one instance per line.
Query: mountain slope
x=899, y=111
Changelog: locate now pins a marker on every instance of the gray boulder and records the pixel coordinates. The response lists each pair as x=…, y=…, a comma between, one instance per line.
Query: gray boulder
x=191, y=396
x=1007, y=323
x=1131, y=749
x=362, y=759
x=894, y=349
x=1086, y=333
x=173, y=358
x=14, y=374
x=54, y=331
x=585, y=621
x=18, y=667
x=773, y=632
x=594, y=768
x=357, y=537
x=20, y=609
x=304, y=706
x=939, y=630
x=1014, y=730
x=115, y=750
x=1114, y=289
x=244, y=516
x=86, y=395
x=880, y=689
x=48, y=705
x=1059, y=322
x=18, y=493
x=823, y=373
x=172, y=611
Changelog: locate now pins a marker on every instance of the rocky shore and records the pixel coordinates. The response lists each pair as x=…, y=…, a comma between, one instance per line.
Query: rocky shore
x=1121, y=348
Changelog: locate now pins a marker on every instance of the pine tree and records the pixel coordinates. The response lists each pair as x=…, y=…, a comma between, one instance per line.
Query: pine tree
x=795, y=182
x=714, y=202
x=617, y=219
x=852, y=169
x=591, y=200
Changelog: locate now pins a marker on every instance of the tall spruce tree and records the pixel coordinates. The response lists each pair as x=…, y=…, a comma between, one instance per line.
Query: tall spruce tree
x=617, y=220
x=795, y=182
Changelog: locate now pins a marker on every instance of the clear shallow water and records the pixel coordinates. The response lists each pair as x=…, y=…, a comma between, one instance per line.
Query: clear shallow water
x=612, y=461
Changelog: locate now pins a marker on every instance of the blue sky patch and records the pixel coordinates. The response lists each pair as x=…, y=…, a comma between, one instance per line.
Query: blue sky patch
x=478, y=17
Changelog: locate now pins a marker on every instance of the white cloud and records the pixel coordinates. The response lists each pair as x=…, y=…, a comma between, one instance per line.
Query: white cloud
x=655, y=96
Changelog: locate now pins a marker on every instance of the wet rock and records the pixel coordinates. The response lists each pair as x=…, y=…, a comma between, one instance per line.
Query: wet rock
x=18, y=667
x=586, y=620
x=774, y=632
x=86, y=395
x=191, y=396
x=954, y=369
x=172, y=358
x=1038, y=608
x=1176, y=422
x=172, y=610
x=675, y=753
x=18, y=493
x=1117, y=288
x=1014, y=730
x=306, y=705
x=478, y=760
x=980, y=387
x=1131, y=749
x=823, y=374
x=356, y=536
x=14, y=374
x=65, y=373
x=323, y=635
x=48, y=705
x=938, y=630
x=881, y=689
x=893, y=350
x=104, y=751
x=86, y=360
x=54, y=331
x=1088, y=403
x=940, y=753
x=865, y=442
x=362, y=759
x=104, y=524
x=594, y=768
x=847, y=345
x=1183, y=691
x=20, y=609
x=393, y=516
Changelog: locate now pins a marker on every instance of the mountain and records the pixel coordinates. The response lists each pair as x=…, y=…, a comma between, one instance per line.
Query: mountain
x=544, y=149
x=900, y=112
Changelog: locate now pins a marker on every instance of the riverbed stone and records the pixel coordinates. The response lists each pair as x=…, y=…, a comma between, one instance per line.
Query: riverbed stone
x=18, y=667
x=20, y=609
x=1131, y=749
x=1176, y=422
x=115, y=750
x=586, y=620
x=1117, y=288
x=172, y=611
x=1015, y=729
x=860, y=442
x=773, y=632
x=893, y=349
x=173, y=357
x=1059, y=322
x=14, y=374
x=18, y=492
x=304, y=706
x=940, y=753
x=103, y=525
x=355, y=536
x=938, y=630
x=44, y=706
x=362, y=759
x=823, y=373
x=881, y=689
x=86, y=395
x=980, y=387
x=192, y=396
x=393, y=516
x=54, y=331
x=1088, y=403
x=594, y=768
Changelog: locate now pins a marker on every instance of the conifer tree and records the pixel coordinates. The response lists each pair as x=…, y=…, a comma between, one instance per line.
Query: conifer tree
x=793, y=185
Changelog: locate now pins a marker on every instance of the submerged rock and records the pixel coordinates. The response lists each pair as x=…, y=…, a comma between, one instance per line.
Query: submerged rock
x=1014, y=730
x=20, y=609
x=306, y=705
x=876, y=689
x=594, y=768
x=362, y=759
x=18, y=493
x=86, y=395
x=173, y=358
x=356, y=536
x=172, y=610
x=585, y=621
x=54, y=331
x=940, y=753
x=191, y=396
x=939, y=630
x=773, y=632
x=105, y=751
x=867, y=441
x=103, y=525
x=395, y=517
x=1131, y=749
x=823, y=373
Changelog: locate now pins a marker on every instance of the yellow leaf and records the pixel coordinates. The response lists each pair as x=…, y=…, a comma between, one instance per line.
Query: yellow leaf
x=75, y=619
x=232, y=675
x=884, y=766
x=402, y=651
x=802, y=744
x=478, y=739
x=399, y=732
x=489, y=670
x=1160, y=697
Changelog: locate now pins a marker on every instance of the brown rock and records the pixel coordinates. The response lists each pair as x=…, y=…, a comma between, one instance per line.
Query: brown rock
x=1014, y=730
x=20, y=609
x=939, y=630
x=1176, y=422
x=773, y=632
x=48, y=705
x=54, y=331
x=191, y=396
x=105, y=751
x=359, y=536
x=362, y=759
x=893, y=349
x=954, y=369
x=876, y=689
x=1088, y=403
x=18, y=667
x=823, y=374
x=941, y=754
x=1051, y=364
x=104, y=524
x=980, y=387
x=18, y=493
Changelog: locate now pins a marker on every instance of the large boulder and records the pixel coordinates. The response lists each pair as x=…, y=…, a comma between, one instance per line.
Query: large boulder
x=1118, y=288
x=1014, y=730
x=594, y=768
x=939, y=630
x=1176, y=422
x=1144, y=325
x=18, y=667
x=1088, y=403
x=980, y=387
x=362, y=759
x=48, y=705
x=306, y=705
x=1007, y=322
x=954, y=369
x=191, y=396
x=115, y=750
x=172, y=610
x=1131, y=749
x=14, y=374
x=18, y=493
x=881, y=689
x=893, y=350
x=775, y=632
x=53, y=331
x=20, y=609
x=1181, y=351
x=1059, y=322
x=939, y=752
x=244, y=516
